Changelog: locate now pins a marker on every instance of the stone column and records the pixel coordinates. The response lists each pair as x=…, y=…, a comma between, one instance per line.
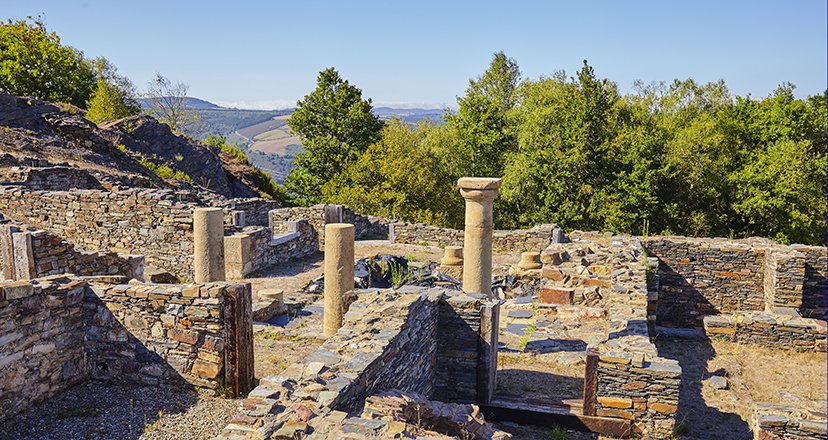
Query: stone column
x=479, y=193
x=339, y=273
x=452, y=262
x=208, y=244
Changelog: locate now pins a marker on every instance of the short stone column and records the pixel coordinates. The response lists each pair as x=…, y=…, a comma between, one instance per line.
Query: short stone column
x=452, y=262
x=339, y=273
x=479, y=193
x=208, y=245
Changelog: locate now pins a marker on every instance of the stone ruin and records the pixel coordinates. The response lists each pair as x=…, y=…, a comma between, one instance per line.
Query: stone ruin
x=410, y=361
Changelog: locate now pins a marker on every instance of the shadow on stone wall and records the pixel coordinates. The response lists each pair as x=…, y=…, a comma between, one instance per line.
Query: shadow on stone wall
x=695, y=419
x=680, y=304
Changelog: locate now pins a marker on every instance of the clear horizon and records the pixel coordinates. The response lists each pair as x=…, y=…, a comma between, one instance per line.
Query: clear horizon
x=266, y=55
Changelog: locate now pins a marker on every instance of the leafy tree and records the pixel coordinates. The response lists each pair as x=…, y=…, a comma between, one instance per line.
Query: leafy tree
x=168, y=103
x=400, y=177
x=335, y=125
x=33, y=62
x=564, y=163
x=107, y=103
x=480, y=127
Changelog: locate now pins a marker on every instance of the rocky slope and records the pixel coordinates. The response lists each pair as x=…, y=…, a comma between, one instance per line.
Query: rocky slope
x=40, y=141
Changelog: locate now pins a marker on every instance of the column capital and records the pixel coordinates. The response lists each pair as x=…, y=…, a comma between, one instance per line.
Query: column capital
x=479, y=189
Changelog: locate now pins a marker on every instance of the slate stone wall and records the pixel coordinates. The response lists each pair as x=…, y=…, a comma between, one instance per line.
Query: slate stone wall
x=389, y=340
x=533, y=239
x=646, y=391
x=41, y=341
x=773, y=421
x=813, y=291
x=773, y=330
x=153, y=223
x=58, y=331
x=256, y=248
x=319, y=215
x=703, y=276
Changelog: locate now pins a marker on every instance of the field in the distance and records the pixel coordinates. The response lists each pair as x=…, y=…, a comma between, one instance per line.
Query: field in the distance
x=272, y=137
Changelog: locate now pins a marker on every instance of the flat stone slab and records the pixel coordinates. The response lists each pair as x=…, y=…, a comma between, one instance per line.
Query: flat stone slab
x=518, y=329
x=717, y=382
x=479, y=183
x=520, y=314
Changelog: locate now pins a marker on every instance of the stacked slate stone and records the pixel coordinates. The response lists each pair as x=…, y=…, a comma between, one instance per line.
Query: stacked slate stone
x=780, y=331
x=41, y=340
x=633, y=387
x=781, y=421
x=533, y=239
x=153, y=223
x=390, y=341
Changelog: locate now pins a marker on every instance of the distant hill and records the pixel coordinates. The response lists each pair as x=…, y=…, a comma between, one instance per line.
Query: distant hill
x=411, y=115
x=264, y=135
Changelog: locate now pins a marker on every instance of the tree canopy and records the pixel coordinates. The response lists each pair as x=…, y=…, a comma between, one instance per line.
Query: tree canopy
x=33, y=62
x=336, y=126
x=680, y=158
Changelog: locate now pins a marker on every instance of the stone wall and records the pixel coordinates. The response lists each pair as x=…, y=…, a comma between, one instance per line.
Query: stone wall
x=784, y=278
x=534, y=239
x=41, y=341
x=704, y=276
x=390, y=340
x=813, y=292
x=256, y=248
x=61, y=330
x=37, y=253
x=699, y=277
x=319, y=215
x=773, y=330
x=152, y=333
x=775, y=421
x=255, y=209
x=153, y=223
x=631, y=386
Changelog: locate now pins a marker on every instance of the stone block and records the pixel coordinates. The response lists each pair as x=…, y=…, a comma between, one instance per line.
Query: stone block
x=615, y=402
x=556, y=295
x=663, y=408
x=206, y=369
x=17, y=290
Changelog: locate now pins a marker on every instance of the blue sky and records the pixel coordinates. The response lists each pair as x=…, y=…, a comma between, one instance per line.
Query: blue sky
x=267, y=54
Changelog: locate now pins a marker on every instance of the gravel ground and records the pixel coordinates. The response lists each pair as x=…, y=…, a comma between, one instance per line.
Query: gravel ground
x=102, y=411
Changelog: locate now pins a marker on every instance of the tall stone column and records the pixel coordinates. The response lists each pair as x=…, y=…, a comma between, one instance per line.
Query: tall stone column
x=479, y=193
x=339, y=273
x=208, y=244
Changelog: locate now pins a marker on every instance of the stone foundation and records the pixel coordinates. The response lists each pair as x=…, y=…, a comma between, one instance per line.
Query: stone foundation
x=534, y=239
x=783, y=332
x=58, y=331
x=390, y=340
x=786, y=422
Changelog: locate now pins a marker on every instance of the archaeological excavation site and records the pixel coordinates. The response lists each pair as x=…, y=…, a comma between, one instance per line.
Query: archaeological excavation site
x=134, y=309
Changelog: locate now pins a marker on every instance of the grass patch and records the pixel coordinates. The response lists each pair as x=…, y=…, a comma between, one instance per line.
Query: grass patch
x=557, y=433
x=163, y=170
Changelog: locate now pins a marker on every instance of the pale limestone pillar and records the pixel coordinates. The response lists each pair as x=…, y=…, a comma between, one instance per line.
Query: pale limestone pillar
x=208, y=244
x=479, y=193
x=339, y=273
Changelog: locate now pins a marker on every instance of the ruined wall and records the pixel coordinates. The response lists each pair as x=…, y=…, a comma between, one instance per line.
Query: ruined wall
x=257, y=247
x=57, y=331
x=702, y=276
x=154, y=333
x=773, y=421
x=319, y=215
x=646, y=391
x=52, y=178
x=153, y=223
x=534, y=239
x=41, y=347
x=389, y=340
x=256, y=210
x=813, y=291
x=54, y=256
x=778, y=331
